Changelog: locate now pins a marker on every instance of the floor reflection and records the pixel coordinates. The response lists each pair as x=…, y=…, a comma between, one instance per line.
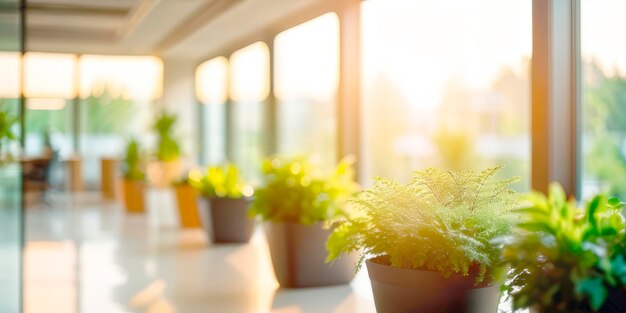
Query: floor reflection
x=96, y=258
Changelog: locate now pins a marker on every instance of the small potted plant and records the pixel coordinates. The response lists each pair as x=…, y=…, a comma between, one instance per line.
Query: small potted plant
x=565, y=259
x=8, y=122
x=223, y=204
x=168, y=151
x=186, y=200
x=134, y=178
x=296, y=202
x=427, y=244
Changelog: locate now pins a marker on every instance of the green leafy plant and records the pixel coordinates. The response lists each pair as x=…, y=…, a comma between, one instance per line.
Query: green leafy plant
x=133, y=162
x=220, y=181
x=566, y=259
x=7, y=136
x=168, y=148
x=441, y=221
x=296, y=191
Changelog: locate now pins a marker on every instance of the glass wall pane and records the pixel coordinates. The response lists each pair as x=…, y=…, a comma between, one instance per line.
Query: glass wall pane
x=249, y=86
x=603, y=97
x=212, y=91
x=306, y=76
x=117, y=101
x=49, y=88
x=446, y=84
x=10, y=170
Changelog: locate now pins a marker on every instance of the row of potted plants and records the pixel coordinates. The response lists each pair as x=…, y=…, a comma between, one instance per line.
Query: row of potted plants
x=445, y=242
x=451, y=241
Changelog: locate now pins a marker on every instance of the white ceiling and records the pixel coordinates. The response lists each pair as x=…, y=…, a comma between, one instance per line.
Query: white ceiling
x=191, y=29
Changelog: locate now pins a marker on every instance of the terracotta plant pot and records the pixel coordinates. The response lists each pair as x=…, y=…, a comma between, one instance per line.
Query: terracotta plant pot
x=134, y=196
x=187, y=207
x=398, y=290
x=226, y=220
x=108, y=171
x=299, y=253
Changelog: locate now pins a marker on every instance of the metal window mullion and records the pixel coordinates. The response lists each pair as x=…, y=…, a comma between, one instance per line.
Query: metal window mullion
x=271, y=103
x=554, y=95
x=348, y=93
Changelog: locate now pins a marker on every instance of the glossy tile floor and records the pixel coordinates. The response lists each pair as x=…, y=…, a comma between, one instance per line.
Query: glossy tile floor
x=84, y=255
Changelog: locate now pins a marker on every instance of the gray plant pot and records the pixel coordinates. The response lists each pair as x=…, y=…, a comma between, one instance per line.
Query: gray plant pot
x=299, y=253
x=398, y=290
x=226, y=220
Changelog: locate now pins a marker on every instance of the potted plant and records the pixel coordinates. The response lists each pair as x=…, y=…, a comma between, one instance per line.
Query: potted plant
x=296, y=202
x=566, y=259
x=186, y=201
x=427, y=244
x=134, y=176
x=168, y=151
x=224, y=204
x=7, y=136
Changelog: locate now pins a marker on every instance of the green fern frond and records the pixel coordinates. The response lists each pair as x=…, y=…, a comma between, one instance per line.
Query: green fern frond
x=442, y=221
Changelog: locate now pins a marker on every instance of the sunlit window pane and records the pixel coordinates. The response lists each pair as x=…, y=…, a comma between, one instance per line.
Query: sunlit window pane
x=117, y=94
x=10, y=75
x=446, y=84
x=250, y=71
x=306, y=78
x=129, y=77
x=49, y=75
x=211, y=79
x=604, y=97
x=249, y=86
x=212, y=91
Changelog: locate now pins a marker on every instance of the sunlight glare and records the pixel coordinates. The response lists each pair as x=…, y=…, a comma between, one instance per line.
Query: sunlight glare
x=211, y=78
x=249, y=68
x=133, y=77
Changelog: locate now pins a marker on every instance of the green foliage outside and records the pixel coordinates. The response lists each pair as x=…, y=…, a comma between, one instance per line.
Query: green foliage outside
x=455, y=149
x=168, y=148
x=441, y=221
x=133, y=162
x=297, y=191
x=564, y=259
x=220, y=181
x=106, y=113
x=605, y=126
x=8, y=123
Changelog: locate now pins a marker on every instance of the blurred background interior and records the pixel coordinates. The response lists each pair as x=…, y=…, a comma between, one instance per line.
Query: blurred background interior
x=400, y=84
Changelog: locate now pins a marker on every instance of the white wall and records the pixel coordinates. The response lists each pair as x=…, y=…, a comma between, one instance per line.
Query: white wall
x=179, y=97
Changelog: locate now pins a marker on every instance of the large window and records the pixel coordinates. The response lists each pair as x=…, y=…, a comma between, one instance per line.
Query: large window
x=212, y=92
x=117, y=94
x=50, y=88
x=445, y=83
x=603, y=97
x=249, y=87
x=306, y=77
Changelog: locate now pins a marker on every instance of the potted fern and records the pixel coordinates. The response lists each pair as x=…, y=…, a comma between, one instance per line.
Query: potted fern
x=427, y=244
x=296, y=202
x=8, y=122
x=168, y=151
x=223, y=204
x=134, y=178
x=566, y=259
x=186, y=196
